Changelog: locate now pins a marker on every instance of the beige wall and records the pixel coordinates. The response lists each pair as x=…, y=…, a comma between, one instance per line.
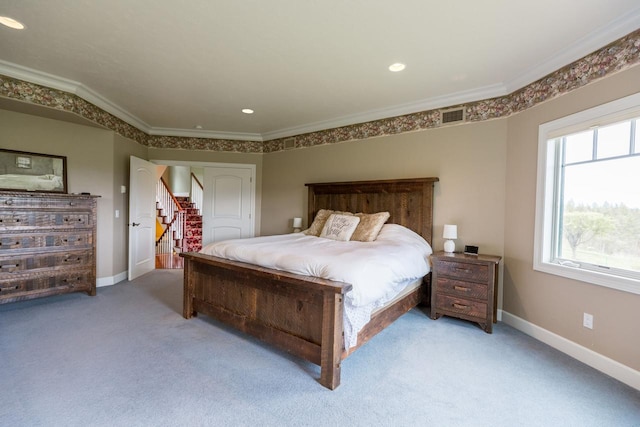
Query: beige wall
x=468, y=159
x=487, y=187
x=98, y=162
x=90, y=165
x=551, y=302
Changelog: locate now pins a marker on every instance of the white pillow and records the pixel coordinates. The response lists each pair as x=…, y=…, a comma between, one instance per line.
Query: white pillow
x=340, y=227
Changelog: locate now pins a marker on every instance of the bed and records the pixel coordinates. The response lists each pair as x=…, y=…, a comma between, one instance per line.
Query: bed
x=303, y=315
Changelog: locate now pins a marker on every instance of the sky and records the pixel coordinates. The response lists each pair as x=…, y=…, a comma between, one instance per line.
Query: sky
x=615, y=181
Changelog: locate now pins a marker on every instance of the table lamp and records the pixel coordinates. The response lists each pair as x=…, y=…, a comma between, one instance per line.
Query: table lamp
x=450, y=233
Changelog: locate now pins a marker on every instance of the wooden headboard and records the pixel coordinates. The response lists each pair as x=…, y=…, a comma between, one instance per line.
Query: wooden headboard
x=409, y=201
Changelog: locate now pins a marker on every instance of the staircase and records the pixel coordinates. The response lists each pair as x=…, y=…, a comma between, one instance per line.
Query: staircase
x=192, y=239
x=179, y=222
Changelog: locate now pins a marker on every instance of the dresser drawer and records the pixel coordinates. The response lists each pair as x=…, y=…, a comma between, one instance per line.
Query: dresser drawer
x=462, y=289
x=24, y=220
x=47, y=240
x=69, y=280
x=461, y=306
x=27, y=201
x=460, y=270
x=10, y=288
x=59, y=260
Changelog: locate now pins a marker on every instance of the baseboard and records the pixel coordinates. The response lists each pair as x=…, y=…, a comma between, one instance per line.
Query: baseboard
x=108, y=281
x=614, y=369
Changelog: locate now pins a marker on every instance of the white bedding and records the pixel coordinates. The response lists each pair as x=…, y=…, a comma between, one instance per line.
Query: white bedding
x=377, y=270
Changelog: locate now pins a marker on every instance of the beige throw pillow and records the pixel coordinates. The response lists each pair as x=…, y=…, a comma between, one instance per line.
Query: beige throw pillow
x=321, y=218
x=318, y=222
x=369, y=226
x=340, y=227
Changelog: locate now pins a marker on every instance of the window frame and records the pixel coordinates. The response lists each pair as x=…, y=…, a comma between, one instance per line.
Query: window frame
x=546, y=216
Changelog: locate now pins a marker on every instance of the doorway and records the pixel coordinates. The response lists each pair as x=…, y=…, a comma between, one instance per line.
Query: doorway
x=217, y=197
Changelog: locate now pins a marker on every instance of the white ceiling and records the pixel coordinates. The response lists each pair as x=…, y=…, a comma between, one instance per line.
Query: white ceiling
x=166, y=66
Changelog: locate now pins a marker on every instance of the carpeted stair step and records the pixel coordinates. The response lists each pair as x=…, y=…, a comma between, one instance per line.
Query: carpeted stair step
x=192, y=239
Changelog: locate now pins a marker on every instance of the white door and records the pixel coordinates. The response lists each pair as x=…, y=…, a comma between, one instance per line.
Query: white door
x=227, y=208
x=142, y=217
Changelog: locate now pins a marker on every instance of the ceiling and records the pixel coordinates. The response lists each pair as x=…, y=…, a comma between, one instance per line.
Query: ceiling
x=166, y=66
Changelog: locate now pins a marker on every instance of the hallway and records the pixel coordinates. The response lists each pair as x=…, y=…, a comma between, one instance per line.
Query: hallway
x=169, y=261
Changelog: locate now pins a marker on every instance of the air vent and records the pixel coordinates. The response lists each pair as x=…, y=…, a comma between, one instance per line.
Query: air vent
x=289, y=143
x=453, y=116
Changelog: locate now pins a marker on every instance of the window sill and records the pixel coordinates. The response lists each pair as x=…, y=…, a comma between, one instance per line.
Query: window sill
x=601, y=279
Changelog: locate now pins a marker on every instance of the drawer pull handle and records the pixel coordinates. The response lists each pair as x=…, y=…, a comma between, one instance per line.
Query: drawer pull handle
x=460, y=306
x=72, y=204
x=463, y=270
x=11, y=288
x=10, y=265
x=461, y=288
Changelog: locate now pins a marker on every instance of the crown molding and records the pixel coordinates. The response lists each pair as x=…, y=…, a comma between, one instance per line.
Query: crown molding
x=200, y=133
x=60, y=83
x=584, y=46
x=449, y=100
x=597, y=39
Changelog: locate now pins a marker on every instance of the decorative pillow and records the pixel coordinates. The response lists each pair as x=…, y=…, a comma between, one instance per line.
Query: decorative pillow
x=321, y=218
x=340, y=227
x=318, y=222
x=369, y=226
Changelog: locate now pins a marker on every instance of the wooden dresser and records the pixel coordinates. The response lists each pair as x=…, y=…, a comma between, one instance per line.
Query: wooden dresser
x=47, y=245
x=465, y=286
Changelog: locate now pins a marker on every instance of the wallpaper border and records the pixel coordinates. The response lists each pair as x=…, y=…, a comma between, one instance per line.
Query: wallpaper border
x=617, y=56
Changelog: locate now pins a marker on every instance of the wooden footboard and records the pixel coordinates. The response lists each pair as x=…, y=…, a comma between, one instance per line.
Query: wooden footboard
x=299, y=314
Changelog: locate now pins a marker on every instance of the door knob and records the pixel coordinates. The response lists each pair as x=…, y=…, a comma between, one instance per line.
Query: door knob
x=135, y=224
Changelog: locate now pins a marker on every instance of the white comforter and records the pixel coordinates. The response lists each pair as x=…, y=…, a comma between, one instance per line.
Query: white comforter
x=377, y=270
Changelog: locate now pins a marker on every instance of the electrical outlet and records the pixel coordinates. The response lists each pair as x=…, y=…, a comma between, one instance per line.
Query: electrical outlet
x=587, y=320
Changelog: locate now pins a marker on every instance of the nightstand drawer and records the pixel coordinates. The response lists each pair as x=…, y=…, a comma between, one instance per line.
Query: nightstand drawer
x=479, y=273
x=462, y=289
x=462, y=306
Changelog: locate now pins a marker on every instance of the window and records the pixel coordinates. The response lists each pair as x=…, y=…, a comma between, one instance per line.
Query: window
x=588, y=196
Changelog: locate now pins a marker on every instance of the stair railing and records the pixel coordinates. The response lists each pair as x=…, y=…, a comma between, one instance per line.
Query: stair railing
x=196, y=192
x=170, y=208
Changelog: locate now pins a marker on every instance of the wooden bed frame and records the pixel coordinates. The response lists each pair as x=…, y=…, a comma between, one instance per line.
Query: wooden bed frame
x=300, y=314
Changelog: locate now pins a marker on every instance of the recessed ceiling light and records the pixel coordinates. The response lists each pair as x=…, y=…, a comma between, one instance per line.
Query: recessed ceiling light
x=247, y=110
x=396, y=67
x=198, y=126
x=11, y=23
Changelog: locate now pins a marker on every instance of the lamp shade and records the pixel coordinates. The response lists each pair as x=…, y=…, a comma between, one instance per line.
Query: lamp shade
x=450, y=231
x=297, y=222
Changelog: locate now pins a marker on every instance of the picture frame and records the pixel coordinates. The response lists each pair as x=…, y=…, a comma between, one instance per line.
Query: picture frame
x=33, y=172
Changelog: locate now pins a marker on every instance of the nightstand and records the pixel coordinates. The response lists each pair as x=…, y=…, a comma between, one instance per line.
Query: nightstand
x=465, y=286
